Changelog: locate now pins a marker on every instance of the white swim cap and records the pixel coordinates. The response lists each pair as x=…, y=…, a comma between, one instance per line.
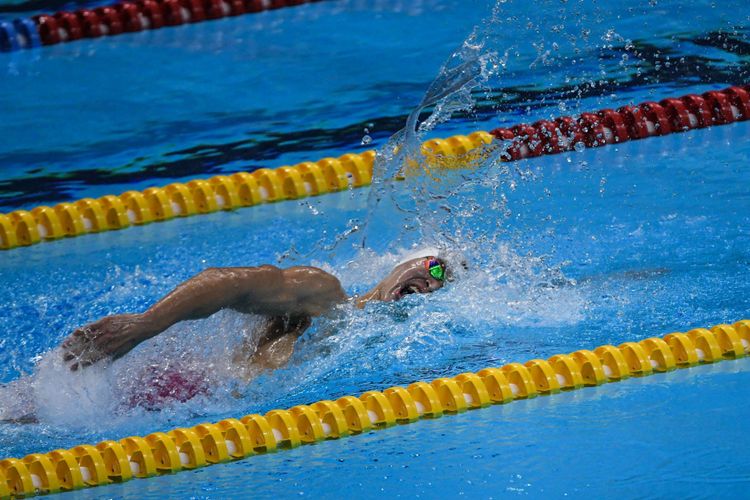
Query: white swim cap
x=420, y=253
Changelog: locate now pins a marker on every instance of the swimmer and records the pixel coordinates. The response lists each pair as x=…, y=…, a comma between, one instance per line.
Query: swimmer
x=288, y=298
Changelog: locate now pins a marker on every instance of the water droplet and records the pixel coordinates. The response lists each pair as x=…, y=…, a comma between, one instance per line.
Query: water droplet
x=579, y=146
x=367, y=139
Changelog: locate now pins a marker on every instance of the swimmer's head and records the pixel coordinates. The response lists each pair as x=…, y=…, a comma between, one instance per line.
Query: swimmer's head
x=423, y=274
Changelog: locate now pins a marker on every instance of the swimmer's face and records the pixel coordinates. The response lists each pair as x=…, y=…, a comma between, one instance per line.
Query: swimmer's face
x=422, y=275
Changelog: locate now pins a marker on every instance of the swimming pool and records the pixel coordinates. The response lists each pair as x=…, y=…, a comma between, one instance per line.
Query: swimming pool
x=597, y=246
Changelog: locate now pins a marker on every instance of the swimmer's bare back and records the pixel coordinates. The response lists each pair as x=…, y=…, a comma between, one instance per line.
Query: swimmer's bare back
x=289, y=297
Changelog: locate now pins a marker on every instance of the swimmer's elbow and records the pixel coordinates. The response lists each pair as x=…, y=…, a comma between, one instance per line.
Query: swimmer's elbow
x=210, y=274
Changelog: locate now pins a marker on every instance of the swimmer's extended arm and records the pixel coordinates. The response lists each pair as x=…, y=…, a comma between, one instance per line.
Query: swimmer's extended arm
x=264, y=290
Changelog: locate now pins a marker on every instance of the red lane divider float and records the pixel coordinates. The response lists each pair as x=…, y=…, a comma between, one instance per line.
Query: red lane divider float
x=127, y=17
x=608, y=126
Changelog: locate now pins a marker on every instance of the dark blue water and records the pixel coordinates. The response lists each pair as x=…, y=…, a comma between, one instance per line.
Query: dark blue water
x=564, y=252
x=102, y=116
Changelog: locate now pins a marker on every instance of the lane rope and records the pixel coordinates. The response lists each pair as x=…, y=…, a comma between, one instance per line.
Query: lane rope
x=125, y=17
x=243, y=189
x=234, y=439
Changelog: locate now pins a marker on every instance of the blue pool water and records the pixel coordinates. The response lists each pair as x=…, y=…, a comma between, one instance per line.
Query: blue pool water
x=629, y=286
x=564, y=252
x=643, y=438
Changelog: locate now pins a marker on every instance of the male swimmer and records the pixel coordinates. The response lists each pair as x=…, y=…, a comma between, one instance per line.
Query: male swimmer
x=288, y=300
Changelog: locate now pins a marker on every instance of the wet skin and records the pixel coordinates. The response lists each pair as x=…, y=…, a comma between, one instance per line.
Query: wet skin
x=288, y=298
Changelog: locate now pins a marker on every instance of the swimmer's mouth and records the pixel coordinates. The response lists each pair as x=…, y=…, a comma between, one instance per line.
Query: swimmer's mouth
x=411, y=288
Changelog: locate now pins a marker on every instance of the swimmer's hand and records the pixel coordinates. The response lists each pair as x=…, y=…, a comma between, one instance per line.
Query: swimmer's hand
x=110, y=337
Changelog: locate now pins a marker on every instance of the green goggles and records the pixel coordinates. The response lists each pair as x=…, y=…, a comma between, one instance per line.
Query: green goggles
x=435, y=268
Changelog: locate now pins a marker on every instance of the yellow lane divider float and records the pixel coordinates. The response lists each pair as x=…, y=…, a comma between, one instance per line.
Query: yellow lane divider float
x=222, y=192
x=234, y=439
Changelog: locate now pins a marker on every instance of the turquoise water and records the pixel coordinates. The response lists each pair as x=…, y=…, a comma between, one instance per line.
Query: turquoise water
x=564, y=252
x=641, y=438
